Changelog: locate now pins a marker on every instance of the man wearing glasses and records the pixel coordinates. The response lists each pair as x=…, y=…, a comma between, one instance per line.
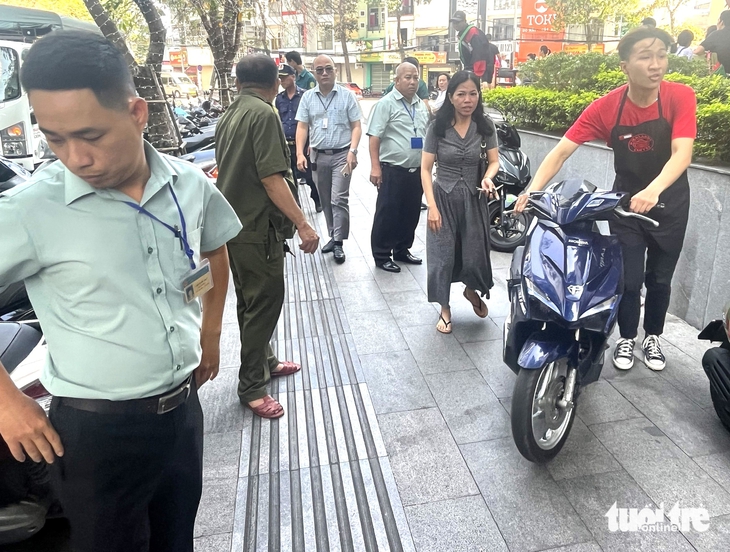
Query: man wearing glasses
x=330, y=116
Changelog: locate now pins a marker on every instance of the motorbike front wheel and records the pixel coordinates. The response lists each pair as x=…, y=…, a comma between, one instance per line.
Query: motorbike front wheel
x=506, y=235
x=540, y=426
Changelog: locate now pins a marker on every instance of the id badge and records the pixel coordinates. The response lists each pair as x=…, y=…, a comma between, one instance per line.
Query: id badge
x=198, y=282
x=416, y=142
x=325, y=122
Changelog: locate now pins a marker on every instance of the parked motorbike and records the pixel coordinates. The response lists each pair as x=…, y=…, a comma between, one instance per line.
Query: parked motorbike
x=204, y=158
x=716, y=363
x=507, y=231
x=26, y=497
x=564, y=289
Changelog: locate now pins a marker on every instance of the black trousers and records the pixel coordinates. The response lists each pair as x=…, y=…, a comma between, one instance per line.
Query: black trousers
x=130, y=483
x=306, y=175
x=647, y=262
x=396, y=213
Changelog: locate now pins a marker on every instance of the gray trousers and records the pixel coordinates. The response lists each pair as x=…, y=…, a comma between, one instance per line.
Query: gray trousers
x=334, y=192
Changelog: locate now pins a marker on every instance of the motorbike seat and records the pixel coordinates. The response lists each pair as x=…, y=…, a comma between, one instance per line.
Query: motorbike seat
x=16, y=343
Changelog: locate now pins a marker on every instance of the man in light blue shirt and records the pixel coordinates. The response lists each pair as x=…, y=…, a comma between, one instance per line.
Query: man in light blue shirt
x=397, y=128
x=330, y=116
x=107, y=240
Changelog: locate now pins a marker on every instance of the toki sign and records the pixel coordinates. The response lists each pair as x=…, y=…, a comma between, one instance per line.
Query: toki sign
x=538, y=19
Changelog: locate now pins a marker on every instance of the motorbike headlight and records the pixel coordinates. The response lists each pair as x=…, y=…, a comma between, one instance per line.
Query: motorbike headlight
x=540, y=296
x=600, y=307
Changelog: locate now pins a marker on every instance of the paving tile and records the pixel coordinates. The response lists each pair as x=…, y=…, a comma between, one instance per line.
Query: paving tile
x=661, y=469
x=376, y=332
x=582, y=547
x=435, y=352
x=469, y=407
x=230, y=345
x=487, y=357
x=686, y=374
x=696, y=431
x=715, y=539
x=593, y=495
x=476, y=329
x=361, y=297
x=395, y=382
x=410, y=308
x=530, y=510
x=213, y=543
x=215, y=513
x=355, y=269
x=390, y=282
x=221, y=455
x=582, y=454
x=461, y=524
x=425, y=460
x=682, y=335
x=599, y=402
x=219, y=400
x=718, y=466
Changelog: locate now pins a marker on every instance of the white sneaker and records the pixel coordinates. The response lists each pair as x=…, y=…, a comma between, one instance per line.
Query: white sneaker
x=653, y=356
x=623, y=355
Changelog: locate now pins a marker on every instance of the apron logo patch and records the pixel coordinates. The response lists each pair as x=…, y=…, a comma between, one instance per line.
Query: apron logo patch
x=641, y=143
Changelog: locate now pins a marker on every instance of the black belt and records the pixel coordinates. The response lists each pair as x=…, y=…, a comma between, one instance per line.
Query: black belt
x=406, y=169
x=159, y=404
x=331, y=151
x=291, y=143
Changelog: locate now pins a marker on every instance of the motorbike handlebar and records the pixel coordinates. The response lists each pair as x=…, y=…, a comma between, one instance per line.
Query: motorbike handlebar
x=620, y=211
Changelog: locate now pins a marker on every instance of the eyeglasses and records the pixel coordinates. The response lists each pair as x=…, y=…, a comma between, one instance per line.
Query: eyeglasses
x=325, y=69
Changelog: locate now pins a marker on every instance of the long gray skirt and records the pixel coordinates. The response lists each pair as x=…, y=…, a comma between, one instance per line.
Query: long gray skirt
x=459, y=251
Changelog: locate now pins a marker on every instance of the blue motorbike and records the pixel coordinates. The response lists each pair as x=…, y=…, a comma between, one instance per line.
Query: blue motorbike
x=565, y=285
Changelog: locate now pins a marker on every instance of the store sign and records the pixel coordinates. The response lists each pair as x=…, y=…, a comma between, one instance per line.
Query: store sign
x=430, y=58
x=379, y=57
x=582, y=48
x=537, y=22
x=179, y=58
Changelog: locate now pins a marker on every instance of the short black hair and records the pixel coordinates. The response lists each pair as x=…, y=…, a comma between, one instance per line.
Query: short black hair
x=257, y=71
x=77, y=60
x=294, y=56
x=629, y=40
x=685, y=38
x=412, y=61
x=649, y=22
x=725, y=17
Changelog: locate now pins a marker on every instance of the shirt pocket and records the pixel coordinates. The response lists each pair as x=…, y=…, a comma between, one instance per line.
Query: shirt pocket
x=339, y=117
x=181, y=260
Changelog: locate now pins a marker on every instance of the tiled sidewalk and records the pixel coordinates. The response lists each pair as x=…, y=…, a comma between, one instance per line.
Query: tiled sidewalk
x=398, y=437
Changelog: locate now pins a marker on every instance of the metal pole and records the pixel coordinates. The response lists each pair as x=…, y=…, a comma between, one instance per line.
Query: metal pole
x=482, y=15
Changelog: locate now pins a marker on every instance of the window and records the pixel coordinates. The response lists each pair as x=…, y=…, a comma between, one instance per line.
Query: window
x=503, y=29
x=362, y=14
x=374, y=19
x=404, y=36
x=506, y=4
x=9, y=75
x=407, y=7
x=362, y=25
x=325, y=38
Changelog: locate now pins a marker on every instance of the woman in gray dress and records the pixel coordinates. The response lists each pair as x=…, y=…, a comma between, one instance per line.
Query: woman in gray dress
x=457, y=241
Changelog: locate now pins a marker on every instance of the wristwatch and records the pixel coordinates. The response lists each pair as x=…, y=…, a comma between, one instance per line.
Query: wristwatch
x=353, y=151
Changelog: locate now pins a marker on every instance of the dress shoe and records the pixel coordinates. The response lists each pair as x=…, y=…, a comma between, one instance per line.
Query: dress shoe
x=409, y=259
x=389, y=266
x=339, y=254
x=329, y=247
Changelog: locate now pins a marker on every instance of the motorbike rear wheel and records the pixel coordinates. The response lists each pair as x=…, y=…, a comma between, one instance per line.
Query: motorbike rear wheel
x=540, y=426
x=509, y=234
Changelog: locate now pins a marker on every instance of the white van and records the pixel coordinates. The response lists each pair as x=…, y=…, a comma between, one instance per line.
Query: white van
x=178, y=85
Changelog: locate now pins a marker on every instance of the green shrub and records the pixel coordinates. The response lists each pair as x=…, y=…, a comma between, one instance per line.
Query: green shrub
x=551, y=110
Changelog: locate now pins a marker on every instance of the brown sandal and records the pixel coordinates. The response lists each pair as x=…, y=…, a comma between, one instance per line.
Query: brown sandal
x=270, y=408
x=478, y=308
x=287, y=369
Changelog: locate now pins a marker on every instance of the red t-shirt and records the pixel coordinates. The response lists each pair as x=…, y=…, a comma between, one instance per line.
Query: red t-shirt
x=679, y=105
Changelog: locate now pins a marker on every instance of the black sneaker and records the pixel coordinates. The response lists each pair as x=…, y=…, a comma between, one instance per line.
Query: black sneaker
x=623, y=355
x=653, y=356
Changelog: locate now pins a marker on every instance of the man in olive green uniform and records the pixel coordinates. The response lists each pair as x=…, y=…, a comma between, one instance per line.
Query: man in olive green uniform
x=254, y=175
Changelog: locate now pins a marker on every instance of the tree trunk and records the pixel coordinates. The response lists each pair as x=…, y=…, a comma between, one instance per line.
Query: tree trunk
x=110, y=30
x=401, y=47
x=348, y=70
x=158, y=33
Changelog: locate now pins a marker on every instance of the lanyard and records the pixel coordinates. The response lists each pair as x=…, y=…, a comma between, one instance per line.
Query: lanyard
x=182, y=235
x=326, y=107
x=411, y=114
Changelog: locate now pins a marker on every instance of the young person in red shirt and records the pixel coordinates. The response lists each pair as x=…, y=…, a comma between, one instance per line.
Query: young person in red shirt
x=651, y=125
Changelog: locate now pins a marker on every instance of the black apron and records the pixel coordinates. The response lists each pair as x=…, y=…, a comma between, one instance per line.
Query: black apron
x=640, y=153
